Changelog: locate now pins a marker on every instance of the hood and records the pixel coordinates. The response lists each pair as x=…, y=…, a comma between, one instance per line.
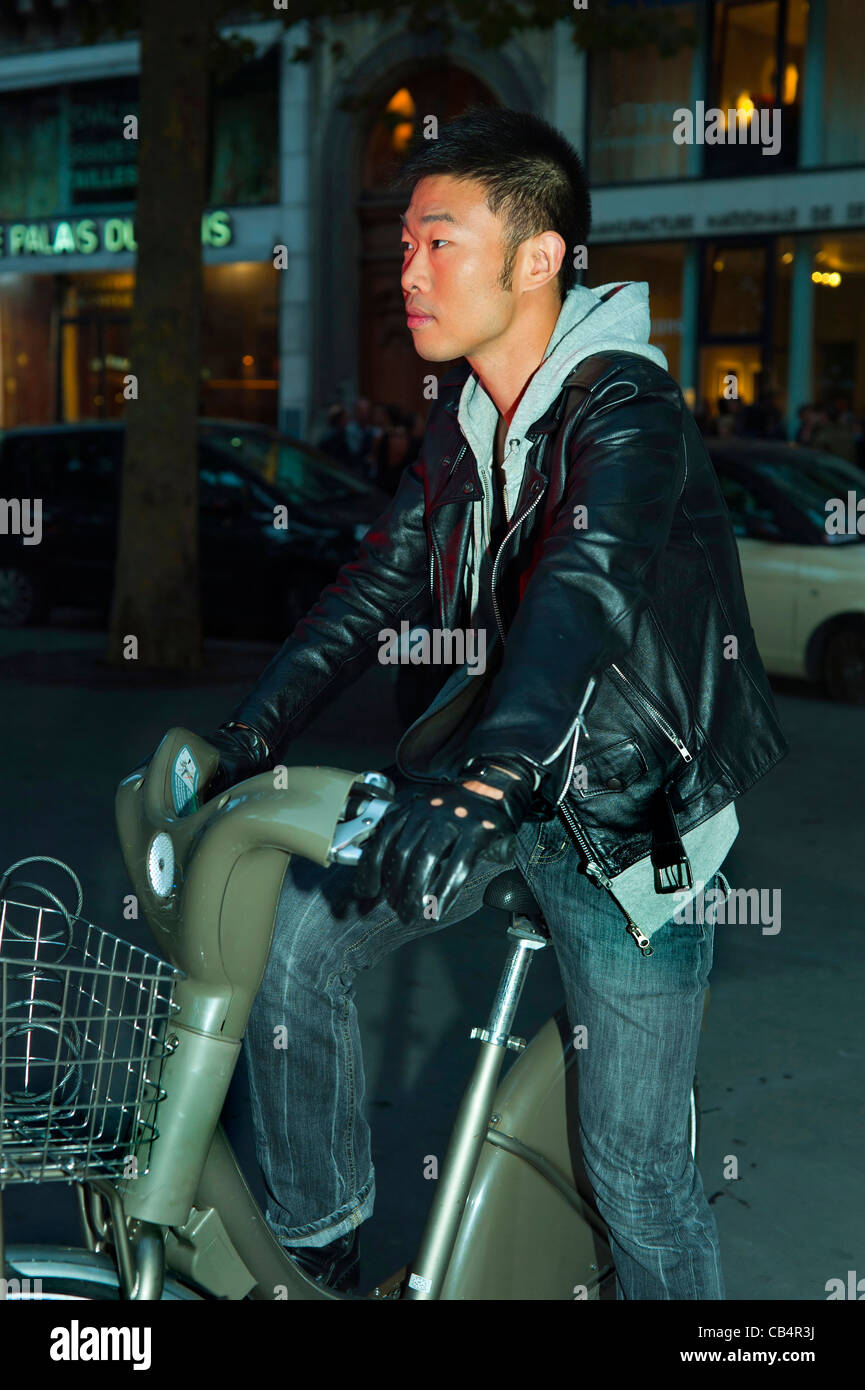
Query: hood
x=587, y=324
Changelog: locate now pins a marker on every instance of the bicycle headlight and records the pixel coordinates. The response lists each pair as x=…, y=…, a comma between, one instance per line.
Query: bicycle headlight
x=160, y=864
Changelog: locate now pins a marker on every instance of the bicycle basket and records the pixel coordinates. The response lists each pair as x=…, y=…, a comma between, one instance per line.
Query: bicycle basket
x=83, y=1020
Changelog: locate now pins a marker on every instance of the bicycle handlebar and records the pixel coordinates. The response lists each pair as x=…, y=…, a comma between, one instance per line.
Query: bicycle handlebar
x=208, y=877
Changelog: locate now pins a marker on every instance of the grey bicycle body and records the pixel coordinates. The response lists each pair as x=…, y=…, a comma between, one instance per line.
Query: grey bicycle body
x=513, y=1215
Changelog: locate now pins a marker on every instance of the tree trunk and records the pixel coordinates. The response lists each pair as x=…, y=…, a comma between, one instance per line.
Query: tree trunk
x=156, y=590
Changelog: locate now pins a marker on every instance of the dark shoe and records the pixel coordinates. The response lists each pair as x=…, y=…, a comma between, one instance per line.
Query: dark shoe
x=336, y=1265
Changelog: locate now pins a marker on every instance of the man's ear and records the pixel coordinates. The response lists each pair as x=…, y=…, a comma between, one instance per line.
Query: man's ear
x=541, y=259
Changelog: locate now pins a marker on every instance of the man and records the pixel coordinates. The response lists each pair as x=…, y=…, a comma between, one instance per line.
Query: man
x=562, y=503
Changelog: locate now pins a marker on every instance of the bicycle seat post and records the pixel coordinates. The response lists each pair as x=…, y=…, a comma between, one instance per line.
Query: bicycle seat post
x=528, y=933
x=510, y=893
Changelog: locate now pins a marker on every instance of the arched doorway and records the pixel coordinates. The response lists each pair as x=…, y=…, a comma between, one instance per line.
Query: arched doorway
x=390, y=371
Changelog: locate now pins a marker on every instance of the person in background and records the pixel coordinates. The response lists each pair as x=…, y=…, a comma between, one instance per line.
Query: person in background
x=703, y=415
x=763, y=418
x=776, y=425
x=729, y=422
x=361, y=438
x=834, y=434
x=808, y=418
x=335, y=441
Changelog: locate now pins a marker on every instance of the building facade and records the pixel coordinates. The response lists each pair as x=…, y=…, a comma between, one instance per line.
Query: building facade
x=755, y=260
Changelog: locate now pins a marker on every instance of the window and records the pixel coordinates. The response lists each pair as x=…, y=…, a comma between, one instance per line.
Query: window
x=240, y=342
x=244, y=134
x=311, y=482
x=744, y=329
x=62, y=466
x=29, y=164
x=809, y=480
x=660, y=264
x=221, y=489
x=102, y=165
x=736, y=289
x=843, y=89
x=839, y=329
x=751, y=516
x=633, y=93
x=758, y=52
x=63, y=149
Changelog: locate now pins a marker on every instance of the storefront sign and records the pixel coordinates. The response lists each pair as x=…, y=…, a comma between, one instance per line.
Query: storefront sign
x=729, y=216
x=85, y=235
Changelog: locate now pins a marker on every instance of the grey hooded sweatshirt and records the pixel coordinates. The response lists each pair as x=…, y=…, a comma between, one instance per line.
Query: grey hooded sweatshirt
x=586, y=325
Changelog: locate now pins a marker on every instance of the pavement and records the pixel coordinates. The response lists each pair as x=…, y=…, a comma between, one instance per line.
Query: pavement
x=781, y=1056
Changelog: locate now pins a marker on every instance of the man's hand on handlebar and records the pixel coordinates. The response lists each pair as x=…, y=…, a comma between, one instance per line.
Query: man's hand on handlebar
x=430, y=839
x=242, y=753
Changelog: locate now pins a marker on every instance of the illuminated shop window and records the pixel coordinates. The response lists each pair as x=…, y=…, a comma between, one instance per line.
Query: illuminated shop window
x=745, y=335
x=838, y=380
x=758, y=52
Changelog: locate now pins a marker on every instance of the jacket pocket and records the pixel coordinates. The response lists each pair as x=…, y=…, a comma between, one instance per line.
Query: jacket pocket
x=608, y=770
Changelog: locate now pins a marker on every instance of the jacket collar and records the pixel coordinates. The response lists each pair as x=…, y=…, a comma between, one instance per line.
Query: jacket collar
x=461, y=482
x=452, y=387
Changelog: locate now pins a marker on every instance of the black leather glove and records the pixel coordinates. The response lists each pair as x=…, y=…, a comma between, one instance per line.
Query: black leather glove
x=242, y=753
x=430, y=839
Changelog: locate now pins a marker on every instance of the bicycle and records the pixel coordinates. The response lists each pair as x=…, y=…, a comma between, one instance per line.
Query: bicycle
x=125, y=1103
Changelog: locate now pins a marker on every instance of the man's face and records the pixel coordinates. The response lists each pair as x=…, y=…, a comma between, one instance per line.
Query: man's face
x=452, y=263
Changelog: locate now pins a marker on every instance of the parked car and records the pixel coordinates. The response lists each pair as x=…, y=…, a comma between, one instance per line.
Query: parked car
x=804, y=577
x=256, y=578
x=310, y=479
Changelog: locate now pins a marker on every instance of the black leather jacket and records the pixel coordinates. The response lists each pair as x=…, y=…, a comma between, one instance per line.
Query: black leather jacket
x=632, y=611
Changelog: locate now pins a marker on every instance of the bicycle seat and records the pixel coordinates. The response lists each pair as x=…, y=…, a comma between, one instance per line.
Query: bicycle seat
x=511, y=893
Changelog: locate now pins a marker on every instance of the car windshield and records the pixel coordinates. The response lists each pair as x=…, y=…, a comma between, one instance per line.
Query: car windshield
x=308, y=478
x=820, y=486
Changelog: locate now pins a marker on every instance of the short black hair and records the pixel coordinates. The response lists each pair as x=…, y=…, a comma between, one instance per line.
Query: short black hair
x=531, y=175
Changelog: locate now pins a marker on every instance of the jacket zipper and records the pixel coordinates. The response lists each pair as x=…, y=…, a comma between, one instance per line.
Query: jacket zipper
x=574, y=735
x=433, y=556
x=656, y=716
x=513, y=527
x=593, y=869
x=596, y=872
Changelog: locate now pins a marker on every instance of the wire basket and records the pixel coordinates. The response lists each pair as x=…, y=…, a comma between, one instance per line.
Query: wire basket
x=83, y=1020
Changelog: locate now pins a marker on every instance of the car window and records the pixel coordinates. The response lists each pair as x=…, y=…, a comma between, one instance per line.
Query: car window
x=256, y=450
x=810, y=480
x=307, y=478
x=67, y=466
x=222, y=489
x=16, y=465
x=751, y=515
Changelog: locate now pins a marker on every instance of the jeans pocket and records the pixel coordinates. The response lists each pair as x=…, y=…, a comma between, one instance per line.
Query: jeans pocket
x=552, y=844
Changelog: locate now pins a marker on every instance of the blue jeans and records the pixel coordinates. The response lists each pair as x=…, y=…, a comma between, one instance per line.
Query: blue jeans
x=642, y=1014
